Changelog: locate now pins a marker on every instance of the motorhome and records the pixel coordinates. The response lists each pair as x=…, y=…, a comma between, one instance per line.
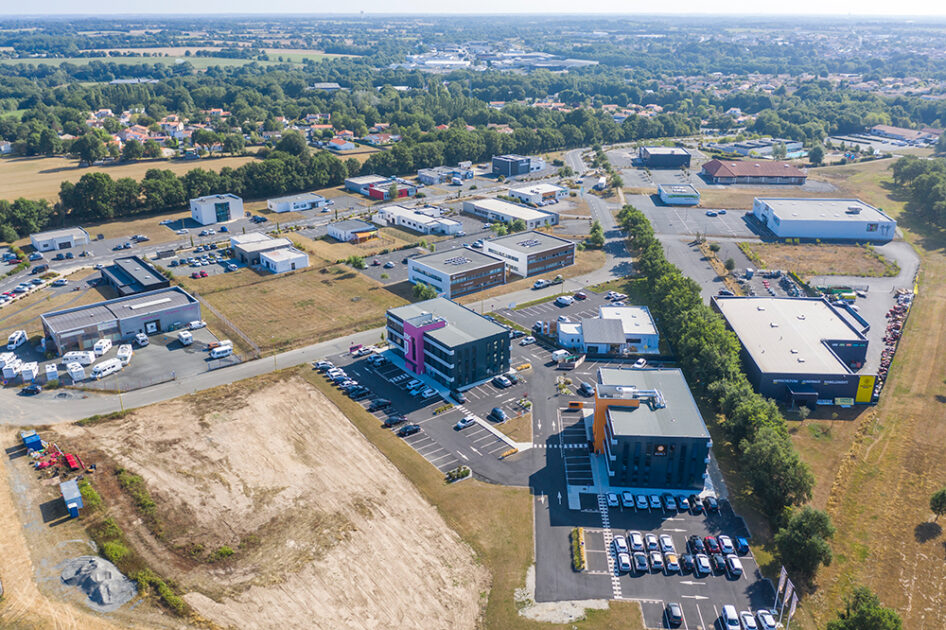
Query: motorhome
x=106, y=367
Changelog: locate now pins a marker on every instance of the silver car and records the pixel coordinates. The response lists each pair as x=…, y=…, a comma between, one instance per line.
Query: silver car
x=624, y=562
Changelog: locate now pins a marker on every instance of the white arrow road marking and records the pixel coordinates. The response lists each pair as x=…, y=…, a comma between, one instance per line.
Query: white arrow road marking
x=694, y=597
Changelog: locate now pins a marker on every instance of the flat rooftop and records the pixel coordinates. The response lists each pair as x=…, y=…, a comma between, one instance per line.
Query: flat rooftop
x=419, y=217
x=459, y=260
x=75, y=232
x=536, y=189
x=353, y=224
x=262, y=246
x=251, y=237
x=221, y=197
x=299, y=197
x=679, y=418
x=463, y=325
x=509, y=209
x=529, y=242
x=679, y=189
x=366, y=180
x=132, y=270
x=785, y=335
x=666, y=151
x=824, y=209
x=120, y=308
x=283, y=254
x=634, y=319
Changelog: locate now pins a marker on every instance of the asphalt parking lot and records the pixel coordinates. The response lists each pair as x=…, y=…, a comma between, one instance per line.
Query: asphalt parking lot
x=529, y=315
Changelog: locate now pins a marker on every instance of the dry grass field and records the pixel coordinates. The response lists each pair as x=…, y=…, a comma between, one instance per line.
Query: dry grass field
x=39, y=178
x=822, y=260
x=326, y=533
x=303, y=307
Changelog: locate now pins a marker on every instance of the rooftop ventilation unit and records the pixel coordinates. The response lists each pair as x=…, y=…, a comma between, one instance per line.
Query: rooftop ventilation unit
x=853, y=210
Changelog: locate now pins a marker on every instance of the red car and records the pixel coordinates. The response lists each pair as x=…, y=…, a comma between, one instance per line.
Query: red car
x=195, y=275
x=712, y=545
x=580, y=296
x=14, y=261
x=203, y=274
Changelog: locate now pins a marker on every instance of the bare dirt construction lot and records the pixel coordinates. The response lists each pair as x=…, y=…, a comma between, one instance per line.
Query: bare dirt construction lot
x=325, y=531
x=822, y=260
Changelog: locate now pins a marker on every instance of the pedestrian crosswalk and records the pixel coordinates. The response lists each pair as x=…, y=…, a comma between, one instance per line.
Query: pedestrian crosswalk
x=608, y=536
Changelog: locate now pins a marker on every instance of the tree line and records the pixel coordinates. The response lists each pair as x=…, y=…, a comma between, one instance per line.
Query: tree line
x=923, y=183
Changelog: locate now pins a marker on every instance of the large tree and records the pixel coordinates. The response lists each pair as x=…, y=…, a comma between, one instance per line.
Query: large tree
x=779, y=477
x=803, y=543
x=88, y=148
x=863, y=611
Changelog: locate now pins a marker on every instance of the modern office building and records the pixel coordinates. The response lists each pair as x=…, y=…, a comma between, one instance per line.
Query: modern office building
x=664, y=157
x=679, y=195
x=456, y=272
x=514, y=165
x=59, y=239
x=539, y=194
x=532, y=253
x=296, y=203
x=352, y=231
x=616, y=331
x=216, y=209
x=247, y=248
x=449, y=343
x=132, y=274
x=824, y=219
x=120, y=319
x=752, y=172
x=799, y=350
x=649, y=430
x=426, y=220
x=505, y=212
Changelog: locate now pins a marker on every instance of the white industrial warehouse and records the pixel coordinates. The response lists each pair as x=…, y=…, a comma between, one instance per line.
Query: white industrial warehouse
x=824, y=219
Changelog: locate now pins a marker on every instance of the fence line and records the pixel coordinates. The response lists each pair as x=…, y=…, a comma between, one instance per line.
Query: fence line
x=242, y=335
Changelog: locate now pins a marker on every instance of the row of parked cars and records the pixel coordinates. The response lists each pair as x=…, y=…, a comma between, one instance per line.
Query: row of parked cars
x=357, y=391
x=650, y=553
x=668, y=502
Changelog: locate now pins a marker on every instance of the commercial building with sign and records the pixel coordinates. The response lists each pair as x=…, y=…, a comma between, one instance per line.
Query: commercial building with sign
x=532, y=253
x=449, y=343
x=119, y=319
x=617, y=330
x=824, y=219
x=216, y=209
x=59, y=239
x=649, y=430
x=799, y=350
x=679, y=195
x=456, y=272
x=513, y=165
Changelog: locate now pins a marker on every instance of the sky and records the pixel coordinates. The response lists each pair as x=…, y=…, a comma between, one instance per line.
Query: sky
x=639, y=7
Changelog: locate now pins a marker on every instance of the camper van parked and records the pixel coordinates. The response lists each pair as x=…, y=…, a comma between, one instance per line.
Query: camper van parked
x=221, y=351
x=106, y=367
x=6, y=357
x=102, y=346
x=82, y=357
x=124, y=353
x=16, y=339
x=76, y=372
x=185, y=337
x=12, y=368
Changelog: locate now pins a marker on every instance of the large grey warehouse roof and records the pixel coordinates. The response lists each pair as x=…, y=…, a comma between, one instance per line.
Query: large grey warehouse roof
x=785, y=335
x=595, y=330
x=679, y=418
x=353, y=224
x=300, y=197
x=121, y=308
x=459, y=260
x=133, y=271
x=463, y=325
x=666, y=151
x=530, y=242
x=803, y=209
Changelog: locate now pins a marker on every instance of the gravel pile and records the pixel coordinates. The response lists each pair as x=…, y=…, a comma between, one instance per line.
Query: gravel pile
x=100, y=580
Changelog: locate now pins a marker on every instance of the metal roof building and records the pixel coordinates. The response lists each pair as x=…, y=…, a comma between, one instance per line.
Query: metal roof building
x=824, y=219
x=505, y=212
x=456, y=272
x=532, y=253
x=119, y=319
x=59, y=239
x=799, y=349
x=132, y=274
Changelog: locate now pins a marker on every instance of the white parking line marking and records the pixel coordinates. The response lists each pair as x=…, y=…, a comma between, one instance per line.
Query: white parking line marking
x=476, y=451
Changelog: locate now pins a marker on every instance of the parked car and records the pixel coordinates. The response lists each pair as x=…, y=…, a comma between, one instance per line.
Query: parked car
x=702, y=564
x=31, y=390
x=586, y=389
x=323, y=366
x=641, y=502
x=393, y=421
x=696, y=545
x=729, y=620
x=463, y=423
x=640, y=364
x=408, y=430
x=498, y=415
x=203, y=274
x=672, y=562
x=656, y=561
x=696, y=506
x=379, y=403
x=620, y=544
x=389, y=265
x=712, y=545
x=540, y=284
x=666, y=543
x=725, y=544
x=527, y=341
x=580, y=296
x=766, y=619
x=635, y=541
x=748, y=621
x=655, y=502
x=35, y=256
x=623, y=561
x=711, y=504
x=613, y=500
x=711, y=213
x=501, y=381
x=686, y=563
x=650, y=540
x=733, y=565
x=640, y=562
x=683, y=503
x=564, y=300
x=742, y=546
x=627, y=499
x=142, y=339
x=674, y=614
x=718, y=563
x=670, y=504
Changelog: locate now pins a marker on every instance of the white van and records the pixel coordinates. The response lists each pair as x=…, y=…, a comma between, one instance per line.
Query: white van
x=82, y=357
x=221, y=351
x=142, y=339
x=102, y=346
x=16, y=339
x=185, y=337
x=124, y=353
x=106, y=367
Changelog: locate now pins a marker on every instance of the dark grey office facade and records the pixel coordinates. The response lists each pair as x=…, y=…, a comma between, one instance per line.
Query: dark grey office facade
x=449, y=343
x=511, y=165
x=649, y=429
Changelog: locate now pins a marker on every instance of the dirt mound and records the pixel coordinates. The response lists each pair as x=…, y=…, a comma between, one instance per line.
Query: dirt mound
x=101, y=580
